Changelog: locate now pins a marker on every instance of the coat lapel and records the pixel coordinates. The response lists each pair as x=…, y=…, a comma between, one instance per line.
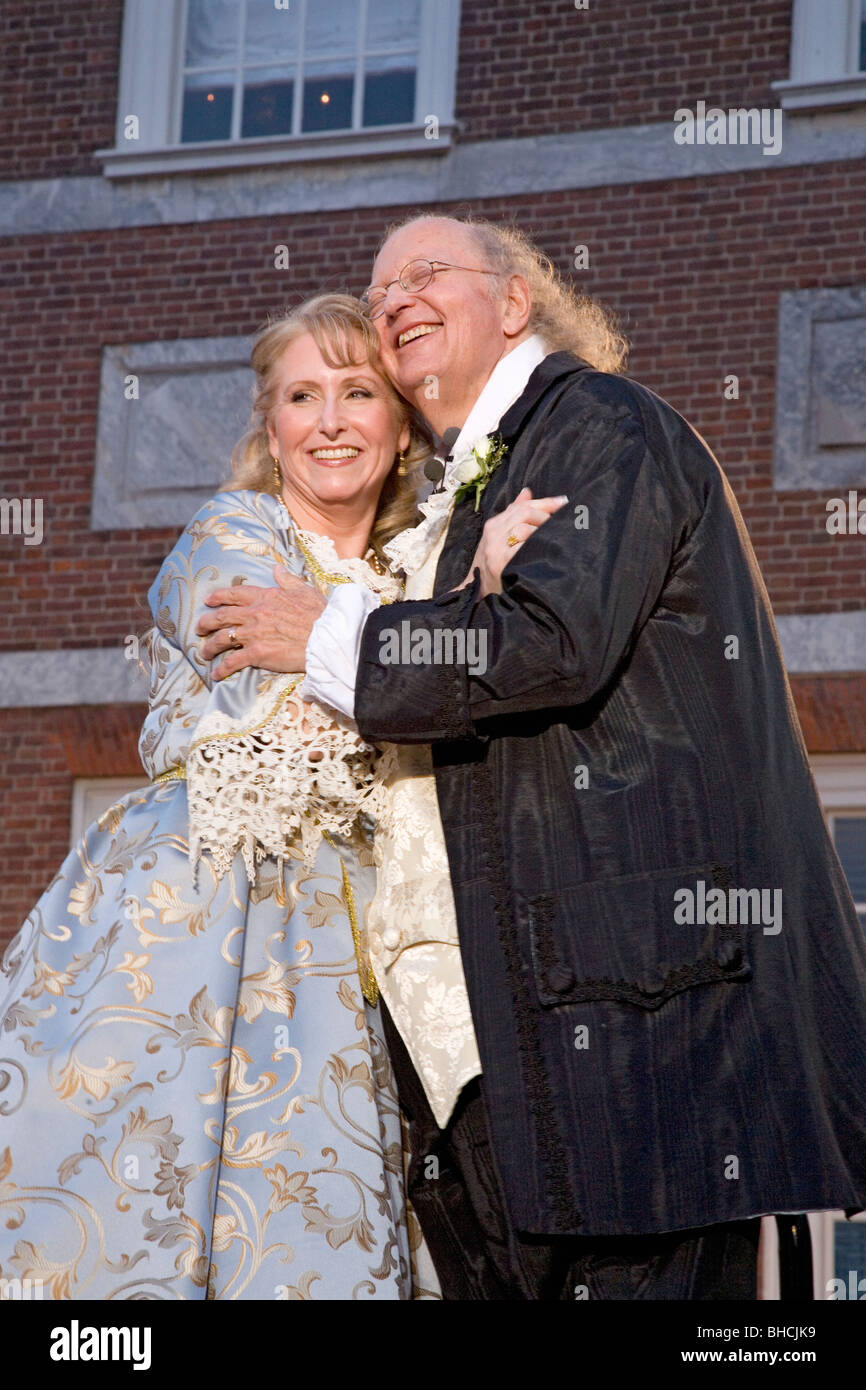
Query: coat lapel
x=461, y=542
x=464, y=531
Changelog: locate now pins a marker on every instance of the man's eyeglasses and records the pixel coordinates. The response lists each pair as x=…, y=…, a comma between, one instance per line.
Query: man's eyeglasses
x=414, y=276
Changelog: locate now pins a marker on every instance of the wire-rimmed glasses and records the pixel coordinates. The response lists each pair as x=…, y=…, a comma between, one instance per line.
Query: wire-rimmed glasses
x=414, y=276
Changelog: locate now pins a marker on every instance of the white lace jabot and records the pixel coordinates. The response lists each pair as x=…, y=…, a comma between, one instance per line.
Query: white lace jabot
x=285, y=771
x=409, y=549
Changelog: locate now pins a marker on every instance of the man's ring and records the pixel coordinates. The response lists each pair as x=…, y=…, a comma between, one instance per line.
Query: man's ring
x=233, y=639
x=513, y=540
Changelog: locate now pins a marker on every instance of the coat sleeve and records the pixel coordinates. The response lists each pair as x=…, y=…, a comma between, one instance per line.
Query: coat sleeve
x=573, y=600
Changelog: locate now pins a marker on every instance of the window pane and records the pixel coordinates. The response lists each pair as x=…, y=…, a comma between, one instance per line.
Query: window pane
x=849, y=833
x=267, y=108
x=332, y=26
x=863, y=35
x=207, y=109
x=211, y=33
x=328, y=89
x=393, y=23
x=389, y=91
x=270, y=33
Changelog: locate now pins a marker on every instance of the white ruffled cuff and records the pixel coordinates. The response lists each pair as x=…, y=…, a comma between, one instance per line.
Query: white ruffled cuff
x=334, y=648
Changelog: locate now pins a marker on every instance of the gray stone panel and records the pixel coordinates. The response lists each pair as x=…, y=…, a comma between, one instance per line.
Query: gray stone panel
x=84, y=676
x=159, y=457
x=820, y=437
x=470, y=172
x=811, y=643
x=823, y=642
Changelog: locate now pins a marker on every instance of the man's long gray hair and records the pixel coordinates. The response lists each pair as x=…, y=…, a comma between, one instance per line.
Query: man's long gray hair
x=564, y=318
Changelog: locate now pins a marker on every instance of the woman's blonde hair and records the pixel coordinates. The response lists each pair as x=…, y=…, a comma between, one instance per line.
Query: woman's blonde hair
x=343, y=335
x=564, y=318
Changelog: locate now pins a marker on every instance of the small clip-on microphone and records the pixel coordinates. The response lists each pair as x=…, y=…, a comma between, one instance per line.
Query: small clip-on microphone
x=435, y=468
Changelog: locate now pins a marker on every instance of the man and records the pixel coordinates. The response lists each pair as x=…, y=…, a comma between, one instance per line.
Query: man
x=666, y=974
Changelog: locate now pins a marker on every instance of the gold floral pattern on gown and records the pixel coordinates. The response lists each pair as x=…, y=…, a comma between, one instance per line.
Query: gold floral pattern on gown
x=195, y=1098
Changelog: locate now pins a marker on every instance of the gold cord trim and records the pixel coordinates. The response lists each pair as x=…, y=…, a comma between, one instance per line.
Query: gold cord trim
x=174, y=774
x=254, y=728
x=321, y=575
x=366, y=978
x=179, y=770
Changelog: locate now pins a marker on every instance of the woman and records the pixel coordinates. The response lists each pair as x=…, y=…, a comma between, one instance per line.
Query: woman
x=198, y=1100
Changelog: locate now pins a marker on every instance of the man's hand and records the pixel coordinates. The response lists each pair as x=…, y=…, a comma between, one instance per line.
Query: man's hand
x=504, y=534
x=265, y=628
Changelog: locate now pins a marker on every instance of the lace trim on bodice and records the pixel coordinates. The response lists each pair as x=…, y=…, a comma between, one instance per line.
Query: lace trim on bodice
x=289, y=771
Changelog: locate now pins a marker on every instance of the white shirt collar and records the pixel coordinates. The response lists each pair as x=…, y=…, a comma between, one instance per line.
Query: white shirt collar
x=503, y=387
x=411, y=549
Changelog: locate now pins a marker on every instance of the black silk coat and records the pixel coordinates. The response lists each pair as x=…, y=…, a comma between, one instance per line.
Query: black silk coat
x=642, y=1073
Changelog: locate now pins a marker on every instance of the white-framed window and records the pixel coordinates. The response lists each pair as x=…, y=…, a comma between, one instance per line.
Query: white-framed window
x=92, y=796
x=848, y=829
x=838, y=1246
x=231, y=83
x=828, y=55
x=841, y=782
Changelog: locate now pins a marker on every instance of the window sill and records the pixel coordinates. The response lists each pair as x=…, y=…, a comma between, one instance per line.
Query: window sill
x=812, y=96
x=120, y=163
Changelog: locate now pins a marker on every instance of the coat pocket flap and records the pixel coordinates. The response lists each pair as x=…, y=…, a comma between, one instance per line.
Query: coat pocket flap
x=638, y=939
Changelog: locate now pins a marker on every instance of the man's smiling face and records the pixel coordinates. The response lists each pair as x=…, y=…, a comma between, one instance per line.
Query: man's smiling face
x=450, y=334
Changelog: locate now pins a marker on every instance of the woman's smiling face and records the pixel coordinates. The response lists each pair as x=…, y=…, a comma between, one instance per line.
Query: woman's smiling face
x=335, y=430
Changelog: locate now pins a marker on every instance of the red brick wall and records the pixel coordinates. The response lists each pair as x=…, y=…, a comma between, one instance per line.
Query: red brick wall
x=832, y=711
x=523, y=69
x=44, y=751
x=532, y=69
x=58, y=69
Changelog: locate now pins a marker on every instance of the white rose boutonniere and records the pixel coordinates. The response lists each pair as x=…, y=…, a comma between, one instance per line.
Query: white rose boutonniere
x=475, y=471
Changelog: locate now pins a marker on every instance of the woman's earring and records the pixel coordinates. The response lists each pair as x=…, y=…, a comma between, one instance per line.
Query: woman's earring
x=402, y=470
x=278, y=477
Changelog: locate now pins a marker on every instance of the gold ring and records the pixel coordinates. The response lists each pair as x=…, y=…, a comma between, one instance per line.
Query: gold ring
x=232, y=638
x=513, y=540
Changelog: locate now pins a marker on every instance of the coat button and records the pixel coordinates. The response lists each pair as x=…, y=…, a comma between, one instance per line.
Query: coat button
x=391, y=938
x=732, y=958
x=559, y=978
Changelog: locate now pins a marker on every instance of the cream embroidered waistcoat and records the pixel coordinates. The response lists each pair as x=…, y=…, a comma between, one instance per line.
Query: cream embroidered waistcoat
x=411, y=922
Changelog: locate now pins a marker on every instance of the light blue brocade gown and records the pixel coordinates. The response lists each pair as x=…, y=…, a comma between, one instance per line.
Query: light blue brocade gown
x=195, y=1099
